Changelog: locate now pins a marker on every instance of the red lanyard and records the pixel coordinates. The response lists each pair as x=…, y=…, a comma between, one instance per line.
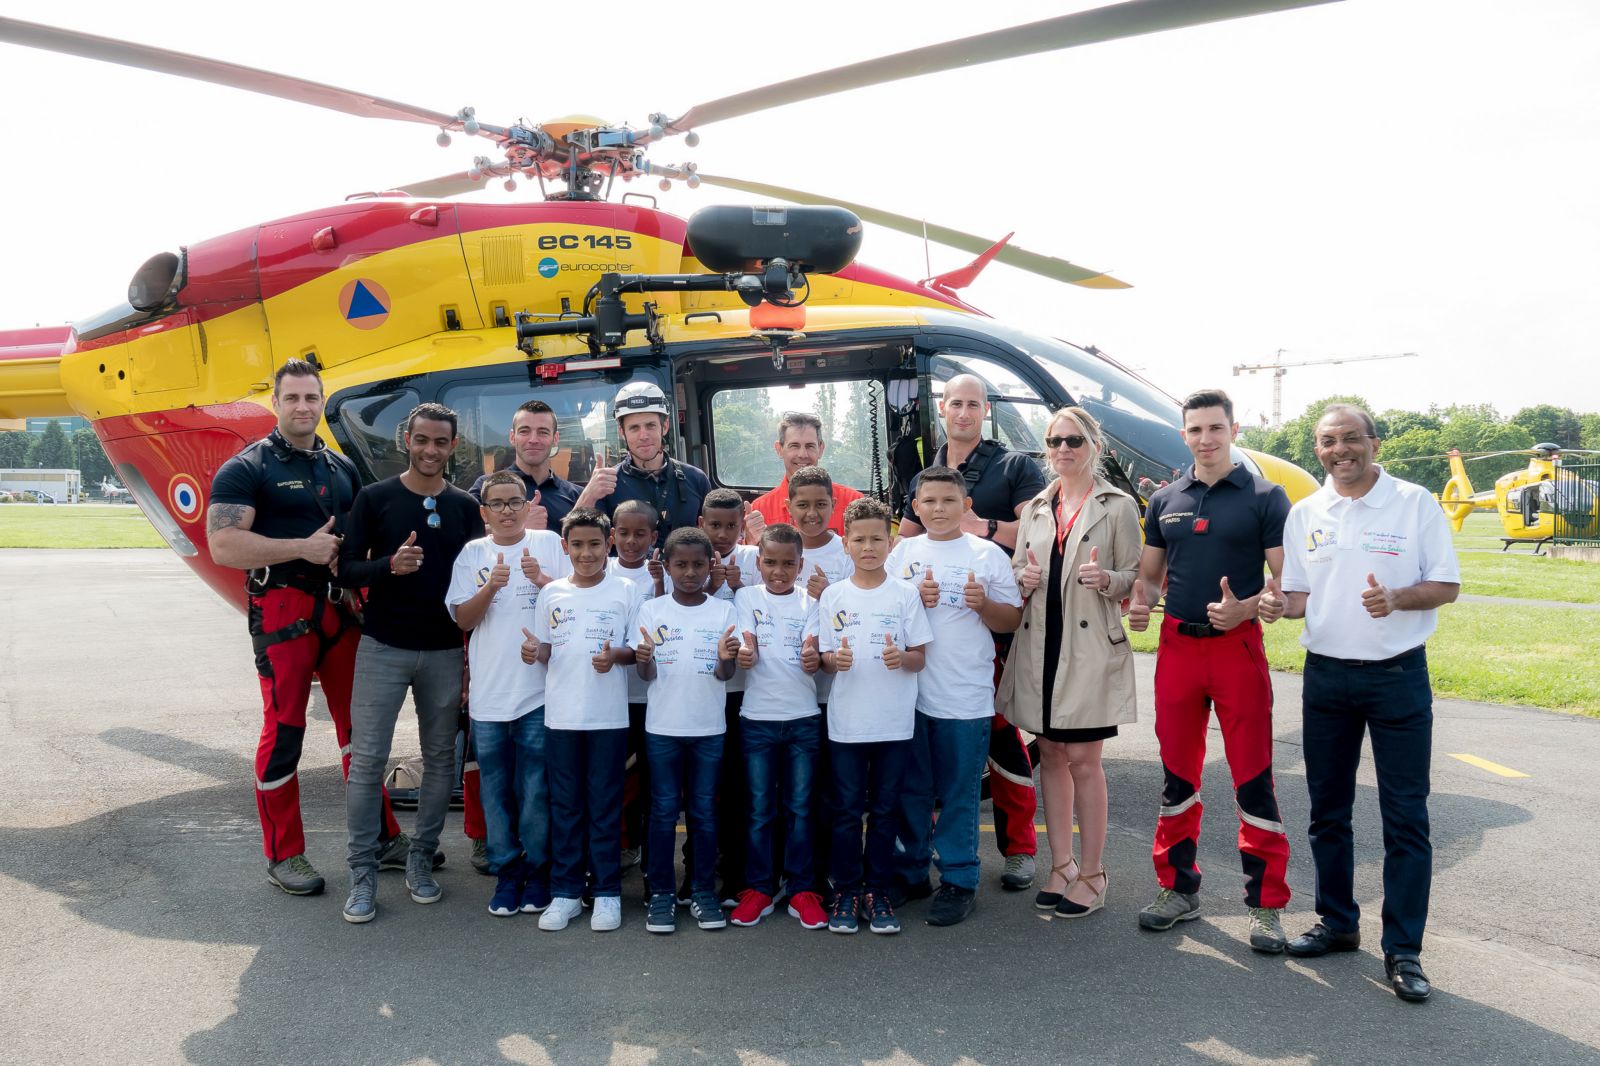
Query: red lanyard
x=1064, y=527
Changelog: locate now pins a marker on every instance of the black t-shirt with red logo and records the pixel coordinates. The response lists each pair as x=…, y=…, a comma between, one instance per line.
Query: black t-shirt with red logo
x=294, y=491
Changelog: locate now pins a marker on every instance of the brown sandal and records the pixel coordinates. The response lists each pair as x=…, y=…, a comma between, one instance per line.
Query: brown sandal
x=1069, y=909
x=1047, y=901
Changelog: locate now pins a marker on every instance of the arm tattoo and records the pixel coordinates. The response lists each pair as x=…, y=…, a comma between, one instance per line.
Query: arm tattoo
x=224, y=516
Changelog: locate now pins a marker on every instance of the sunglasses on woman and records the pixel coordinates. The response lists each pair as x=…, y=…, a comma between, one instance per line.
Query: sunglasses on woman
x=1074, y=441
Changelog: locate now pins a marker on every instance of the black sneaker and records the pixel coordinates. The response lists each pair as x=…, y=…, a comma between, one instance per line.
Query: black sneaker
x=901, y=893
x=662, y=916
x=707, y=911
x=952, y=905
x=845, y=914
x=881, y=916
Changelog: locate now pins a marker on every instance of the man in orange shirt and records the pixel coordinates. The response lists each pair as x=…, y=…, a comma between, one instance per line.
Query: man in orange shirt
x=799, y=445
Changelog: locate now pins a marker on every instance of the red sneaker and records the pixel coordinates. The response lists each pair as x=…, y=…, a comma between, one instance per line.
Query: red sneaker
x=751, y=908
x=807, y=906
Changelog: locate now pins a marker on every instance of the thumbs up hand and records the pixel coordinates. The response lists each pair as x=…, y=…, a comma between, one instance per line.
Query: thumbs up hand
x=530, y=647
x=728, y=646
x=747, y=651
x=537, y=515
x=755, y=524
x=810, y=656
x=645, y=651
x=1377, y=598
x=657, y=572
x=734, y=577
x=1030, y=576
x=500, y=573
x=1090, y=575
x=844, y=658
x=1228, y=611
x=322, y=547
x=530, y=568
x=1271, y=605
x=972, y=593
x=602, y=659
x=1138, y=609
x=719, y=574
x=817, y=583
x=407, y=559
x=891, y=654
x=928, y=587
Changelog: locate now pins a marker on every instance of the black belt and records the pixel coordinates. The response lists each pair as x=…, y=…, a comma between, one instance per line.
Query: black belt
x=1393, y=660
x=266, y=578
x=1206, y=629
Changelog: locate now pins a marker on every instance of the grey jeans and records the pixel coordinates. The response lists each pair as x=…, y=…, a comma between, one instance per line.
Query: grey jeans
x=382, y=676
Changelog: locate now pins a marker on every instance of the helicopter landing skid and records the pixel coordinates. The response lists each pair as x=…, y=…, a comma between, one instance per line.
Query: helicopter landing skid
x=1538, y=545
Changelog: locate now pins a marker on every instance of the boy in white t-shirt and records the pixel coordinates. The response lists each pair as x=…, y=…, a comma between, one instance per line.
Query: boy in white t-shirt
x=633, y=535
x=823, y=562
x=968, y=588
x=580, y=632
x=686, y=652
x=494, y=595
x=733, y=567
x=781, y=731
x=874, y=637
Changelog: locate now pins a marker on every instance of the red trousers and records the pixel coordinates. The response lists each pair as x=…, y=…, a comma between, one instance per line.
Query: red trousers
x=1011, y=778
x=1228, y=673
x=298, y=636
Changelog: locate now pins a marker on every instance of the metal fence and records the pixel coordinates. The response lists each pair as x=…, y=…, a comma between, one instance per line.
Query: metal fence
x=1574, y=499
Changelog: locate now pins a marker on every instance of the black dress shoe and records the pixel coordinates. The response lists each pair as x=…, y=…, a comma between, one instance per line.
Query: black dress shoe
x=1406, y=977
x=1319, y=940
x=901, y=893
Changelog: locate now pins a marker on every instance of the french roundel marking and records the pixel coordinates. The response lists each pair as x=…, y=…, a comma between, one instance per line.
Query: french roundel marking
x=184, y=496
x=364, y=303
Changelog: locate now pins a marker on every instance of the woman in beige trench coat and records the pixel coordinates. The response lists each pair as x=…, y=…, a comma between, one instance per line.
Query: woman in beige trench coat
x=1069, y=677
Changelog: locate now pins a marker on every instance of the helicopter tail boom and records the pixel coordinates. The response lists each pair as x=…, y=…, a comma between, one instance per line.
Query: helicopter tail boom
x=30, y=373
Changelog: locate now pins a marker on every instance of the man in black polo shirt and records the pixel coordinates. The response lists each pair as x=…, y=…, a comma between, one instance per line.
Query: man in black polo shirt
x=534, y=436
x=405, y=533
x=277, y=511
x=1208, y=534
x=999, y=483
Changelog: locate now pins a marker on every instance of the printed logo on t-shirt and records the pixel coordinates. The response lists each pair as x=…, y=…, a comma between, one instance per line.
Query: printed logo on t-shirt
x=1321, y=538
x=1383, y=543
x=883, y=624
x=602, y=623
x=559, y=618
x=843, y=620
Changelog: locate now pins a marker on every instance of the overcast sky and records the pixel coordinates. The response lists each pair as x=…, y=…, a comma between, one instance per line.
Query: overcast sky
x=1363, y=178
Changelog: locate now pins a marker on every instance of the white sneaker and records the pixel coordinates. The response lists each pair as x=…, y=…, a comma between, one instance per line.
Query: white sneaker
x=607, y=914
x=562, y=910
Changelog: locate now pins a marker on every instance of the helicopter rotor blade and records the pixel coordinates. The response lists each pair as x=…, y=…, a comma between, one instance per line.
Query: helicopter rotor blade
x=219, y=72
x=1131, y=19
x=1011, y=255
x=454, y=184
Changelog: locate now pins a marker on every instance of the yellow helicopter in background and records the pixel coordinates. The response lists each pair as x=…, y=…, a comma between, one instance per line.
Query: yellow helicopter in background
x=1535, y=504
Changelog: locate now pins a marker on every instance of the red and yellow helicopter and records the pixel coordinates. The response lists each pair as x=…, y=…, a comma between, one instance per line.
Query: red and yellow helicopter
x=404, y=296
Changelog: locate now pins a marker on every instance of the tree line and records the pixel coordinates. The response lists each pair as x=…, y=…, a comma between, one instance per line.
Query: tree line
x=55, y=450
x=1467, y=427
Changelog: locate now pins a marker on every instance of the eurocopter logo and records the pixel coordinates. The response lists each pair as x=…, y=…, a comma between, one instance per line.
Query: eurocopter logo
x=548, y=267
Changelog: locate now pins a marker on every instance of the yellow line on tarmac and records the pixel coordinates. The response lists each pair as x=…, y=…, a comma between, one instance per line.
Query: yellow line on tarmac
x=1485, y=764
x=991, y=829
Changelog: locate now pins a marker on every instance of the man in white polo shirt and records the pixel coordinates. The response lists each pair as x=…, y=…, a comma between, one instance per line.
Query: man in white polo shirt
x=1367, y=562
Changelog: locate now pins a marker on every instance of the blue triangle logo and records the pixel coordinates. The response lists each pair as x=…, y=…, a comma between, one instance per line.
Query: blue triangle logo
x=363, y=304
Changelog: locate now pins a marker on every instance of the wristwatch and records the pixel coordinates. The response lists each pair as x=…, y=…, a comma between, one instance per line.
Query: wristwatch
x=993, y=526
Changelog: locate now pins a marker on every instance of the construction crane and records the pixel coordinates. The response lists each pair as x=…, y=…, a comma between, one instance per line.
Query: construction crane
x=1279, y=368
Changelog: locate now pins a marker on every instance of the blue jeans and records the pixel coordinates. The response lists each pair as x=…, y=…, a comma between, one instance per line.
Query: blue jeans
x=780, y=761
x=514, y=789
x=945, y=764
x=1393, y=700
x=383, y=674
x=585, y=771
x=866, y=782
x=683, y=776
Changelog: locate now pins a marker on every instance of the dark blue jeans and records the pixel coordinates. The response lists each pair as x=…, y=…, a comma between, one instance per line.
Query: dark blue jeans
x=780, y=760
x=585, y=770
x=683, y=776
x=1393, y=700
x=514, y=789
x=945, y=765
x=866, y=781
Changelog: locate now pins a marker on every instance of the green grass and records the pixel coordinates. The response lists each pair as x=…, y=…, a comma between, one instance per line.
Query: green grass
x=84, y=525
x=1542, y=656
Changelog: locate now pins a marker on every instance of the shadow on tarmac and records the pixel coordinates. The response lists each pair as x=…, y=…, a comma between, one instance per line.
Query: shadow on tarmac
x=452, y=984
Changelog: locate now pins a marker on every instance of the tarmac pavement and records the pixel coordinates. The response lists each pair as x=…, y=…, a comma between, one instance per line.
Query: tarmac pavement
x=138, y=925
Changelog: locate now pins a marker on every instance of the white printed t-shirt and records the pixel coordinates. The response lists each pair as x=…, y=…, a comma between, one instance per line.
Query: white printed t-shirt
x=778, y=689
x=836, y=567
x=958, y=681
x=744, y=557
x=870, y=702
x=686, y=698
x=576, y=622
x=504, y=688
x=1397, y=533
